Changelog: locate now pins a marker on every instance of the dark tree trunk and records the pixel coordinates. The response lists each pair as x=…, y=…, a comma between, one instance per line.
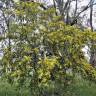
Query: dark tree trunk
x=93, y=49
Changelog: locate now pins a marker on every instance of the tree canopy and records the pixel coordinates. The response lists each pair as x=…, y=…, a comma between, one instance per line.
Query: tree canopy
x=41, y=48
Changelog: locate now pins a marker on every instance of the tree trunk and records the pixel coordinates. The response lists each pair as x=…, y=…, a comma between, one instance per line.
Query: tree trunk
x=93, y=49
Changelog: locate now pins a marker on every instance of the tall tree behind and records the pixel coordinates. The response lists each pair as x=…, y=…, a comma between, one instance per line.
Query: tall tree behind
x=93, y=48
x=64, y=8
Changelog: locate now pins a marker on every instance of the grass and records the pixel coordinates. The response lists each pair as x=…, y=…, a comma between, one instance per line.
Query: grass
x=7, y=89
x=84, y=88
x=79, y=88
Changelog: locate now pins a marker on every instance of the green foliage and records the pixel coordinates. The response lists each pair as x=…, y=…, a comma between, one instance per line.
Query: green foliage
x=34, y=28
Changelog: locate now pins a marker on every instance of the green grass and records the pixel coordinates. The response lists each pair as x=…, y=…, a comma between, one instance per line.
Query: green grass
x=84, y=88
x=7, y=89
x=79, y=88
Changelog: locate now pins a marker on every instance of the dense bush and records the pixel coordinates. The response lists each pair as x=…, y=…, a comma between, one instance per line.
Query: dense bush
x=43, y=52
